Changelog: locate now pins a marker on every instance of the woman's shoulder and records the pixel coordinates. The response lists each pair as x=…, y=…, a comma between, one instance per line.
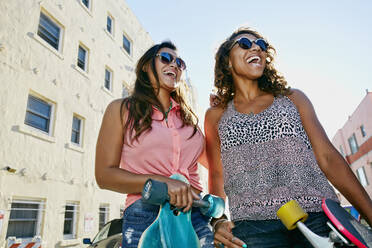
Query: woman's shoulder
x=214, y=114
x=300, y=99
x=117, y=106
x=296, y=95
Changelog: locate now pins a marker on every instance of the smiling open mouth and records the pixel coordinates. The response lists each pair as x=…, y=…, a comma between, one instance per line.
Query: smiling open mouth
x=170, y=73
x=253, y=59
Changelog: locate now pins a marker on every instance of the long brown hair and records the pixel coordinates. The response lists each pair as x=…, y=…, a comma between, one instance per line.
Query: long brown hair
x=139, y=103
x=270, y=81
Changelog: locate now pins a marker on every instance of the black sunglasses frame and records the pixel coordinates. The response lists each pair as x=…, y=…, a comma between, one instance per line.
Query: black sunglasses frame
x=246, y=43
x=168, y=58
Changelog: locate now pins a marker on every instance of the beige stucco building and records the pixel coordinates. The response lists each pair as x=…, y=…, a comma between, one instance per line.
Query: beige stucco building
x=61, y=63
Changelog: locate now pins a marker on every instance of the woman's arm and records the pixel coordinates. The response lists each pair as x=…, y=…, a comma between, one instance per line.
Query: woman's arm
x=332, y=164
x=110, y=176
x=108, y=152
x=222, y=228
x=203, y=160
x=215, y=172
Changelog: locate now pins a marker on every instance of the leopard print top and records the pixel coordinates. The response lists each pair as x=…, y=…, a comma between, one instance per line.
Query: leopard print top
x=268, y=160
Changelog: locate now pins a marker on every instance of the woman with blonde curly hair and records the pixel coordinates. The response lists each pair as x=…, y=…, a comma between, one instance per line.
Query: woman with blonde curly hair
x=265, y=146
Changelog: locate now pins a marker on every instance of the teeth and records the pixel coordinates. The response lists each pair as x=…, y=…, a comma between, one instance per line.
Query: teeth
x=250, y=59
x=170, y=72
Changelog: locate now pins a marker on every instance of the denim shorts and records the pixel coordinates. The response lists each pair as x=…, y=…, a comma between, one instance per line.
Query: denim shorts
x=272, y=233
x=138, y=216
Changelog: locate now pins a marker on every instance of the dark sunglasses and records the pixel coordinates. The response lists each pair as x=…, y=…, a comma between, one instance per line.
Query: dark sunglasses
x=168, y=58
x=245, y=43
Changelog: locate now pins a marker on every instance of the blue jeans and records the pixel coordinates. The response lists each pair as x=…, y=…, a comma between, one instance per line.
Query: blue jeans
x=138, y=216
x=272, y=233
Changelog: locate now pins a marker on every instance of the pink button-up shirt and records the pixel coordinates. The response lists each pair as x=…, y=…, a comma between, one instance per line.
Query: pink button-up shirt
x=165, y=150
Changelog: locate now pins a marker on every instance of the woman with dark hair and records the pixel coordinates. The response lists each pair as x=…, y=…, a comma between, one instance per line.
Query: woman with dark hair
x=152, y=134
x=265, y=146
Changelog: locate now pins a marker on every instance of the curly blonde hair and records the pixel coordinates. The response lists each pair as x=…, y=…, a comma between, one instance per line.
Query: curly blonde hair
x=271, y=81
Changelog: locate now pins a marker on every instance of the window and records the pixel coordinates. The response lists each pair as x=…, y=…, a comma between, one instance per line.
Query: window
x=108, y=79
x=125, y=92
x=25, y=219
x=86, y=3
x=126, y=44
x=103, y=215
x=363, y=131
x=69, y=228
x=362, y=176
x=49, y=31
x=109, y=25
x=76, y=130
x=38, y=113
x=102, y=234
x=353, y=144
x=82, y=58
x=112, y=228
x=342, y=151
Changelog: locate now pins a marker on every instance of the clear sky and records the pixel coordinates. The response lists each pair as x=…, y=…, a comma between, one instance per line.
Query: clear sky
x=324, y=48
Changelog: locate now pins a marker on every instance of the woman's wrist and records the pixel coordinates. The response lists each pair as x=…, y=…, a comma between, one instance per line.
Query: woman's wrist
x=215, y=221
x=215, y=225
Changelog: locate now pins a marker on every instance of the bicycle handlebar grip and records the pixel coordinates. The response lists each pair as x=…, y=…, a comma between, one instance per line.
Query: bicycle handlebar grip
x=155, y=192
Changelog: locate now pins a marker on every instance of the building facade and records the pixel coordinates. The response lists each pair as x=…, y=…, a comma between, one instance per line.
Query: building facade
x=354, y=142
x=61, y=63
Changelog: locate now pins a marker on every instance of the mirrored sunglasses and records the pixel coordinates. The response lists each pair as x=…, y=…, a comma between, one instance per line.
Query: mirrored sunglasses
x=245, y=43
x=168, y=58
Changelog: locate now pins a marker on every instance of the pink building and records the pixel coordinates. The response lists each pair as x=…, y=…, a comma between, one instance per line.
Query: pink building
x=354, y=142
